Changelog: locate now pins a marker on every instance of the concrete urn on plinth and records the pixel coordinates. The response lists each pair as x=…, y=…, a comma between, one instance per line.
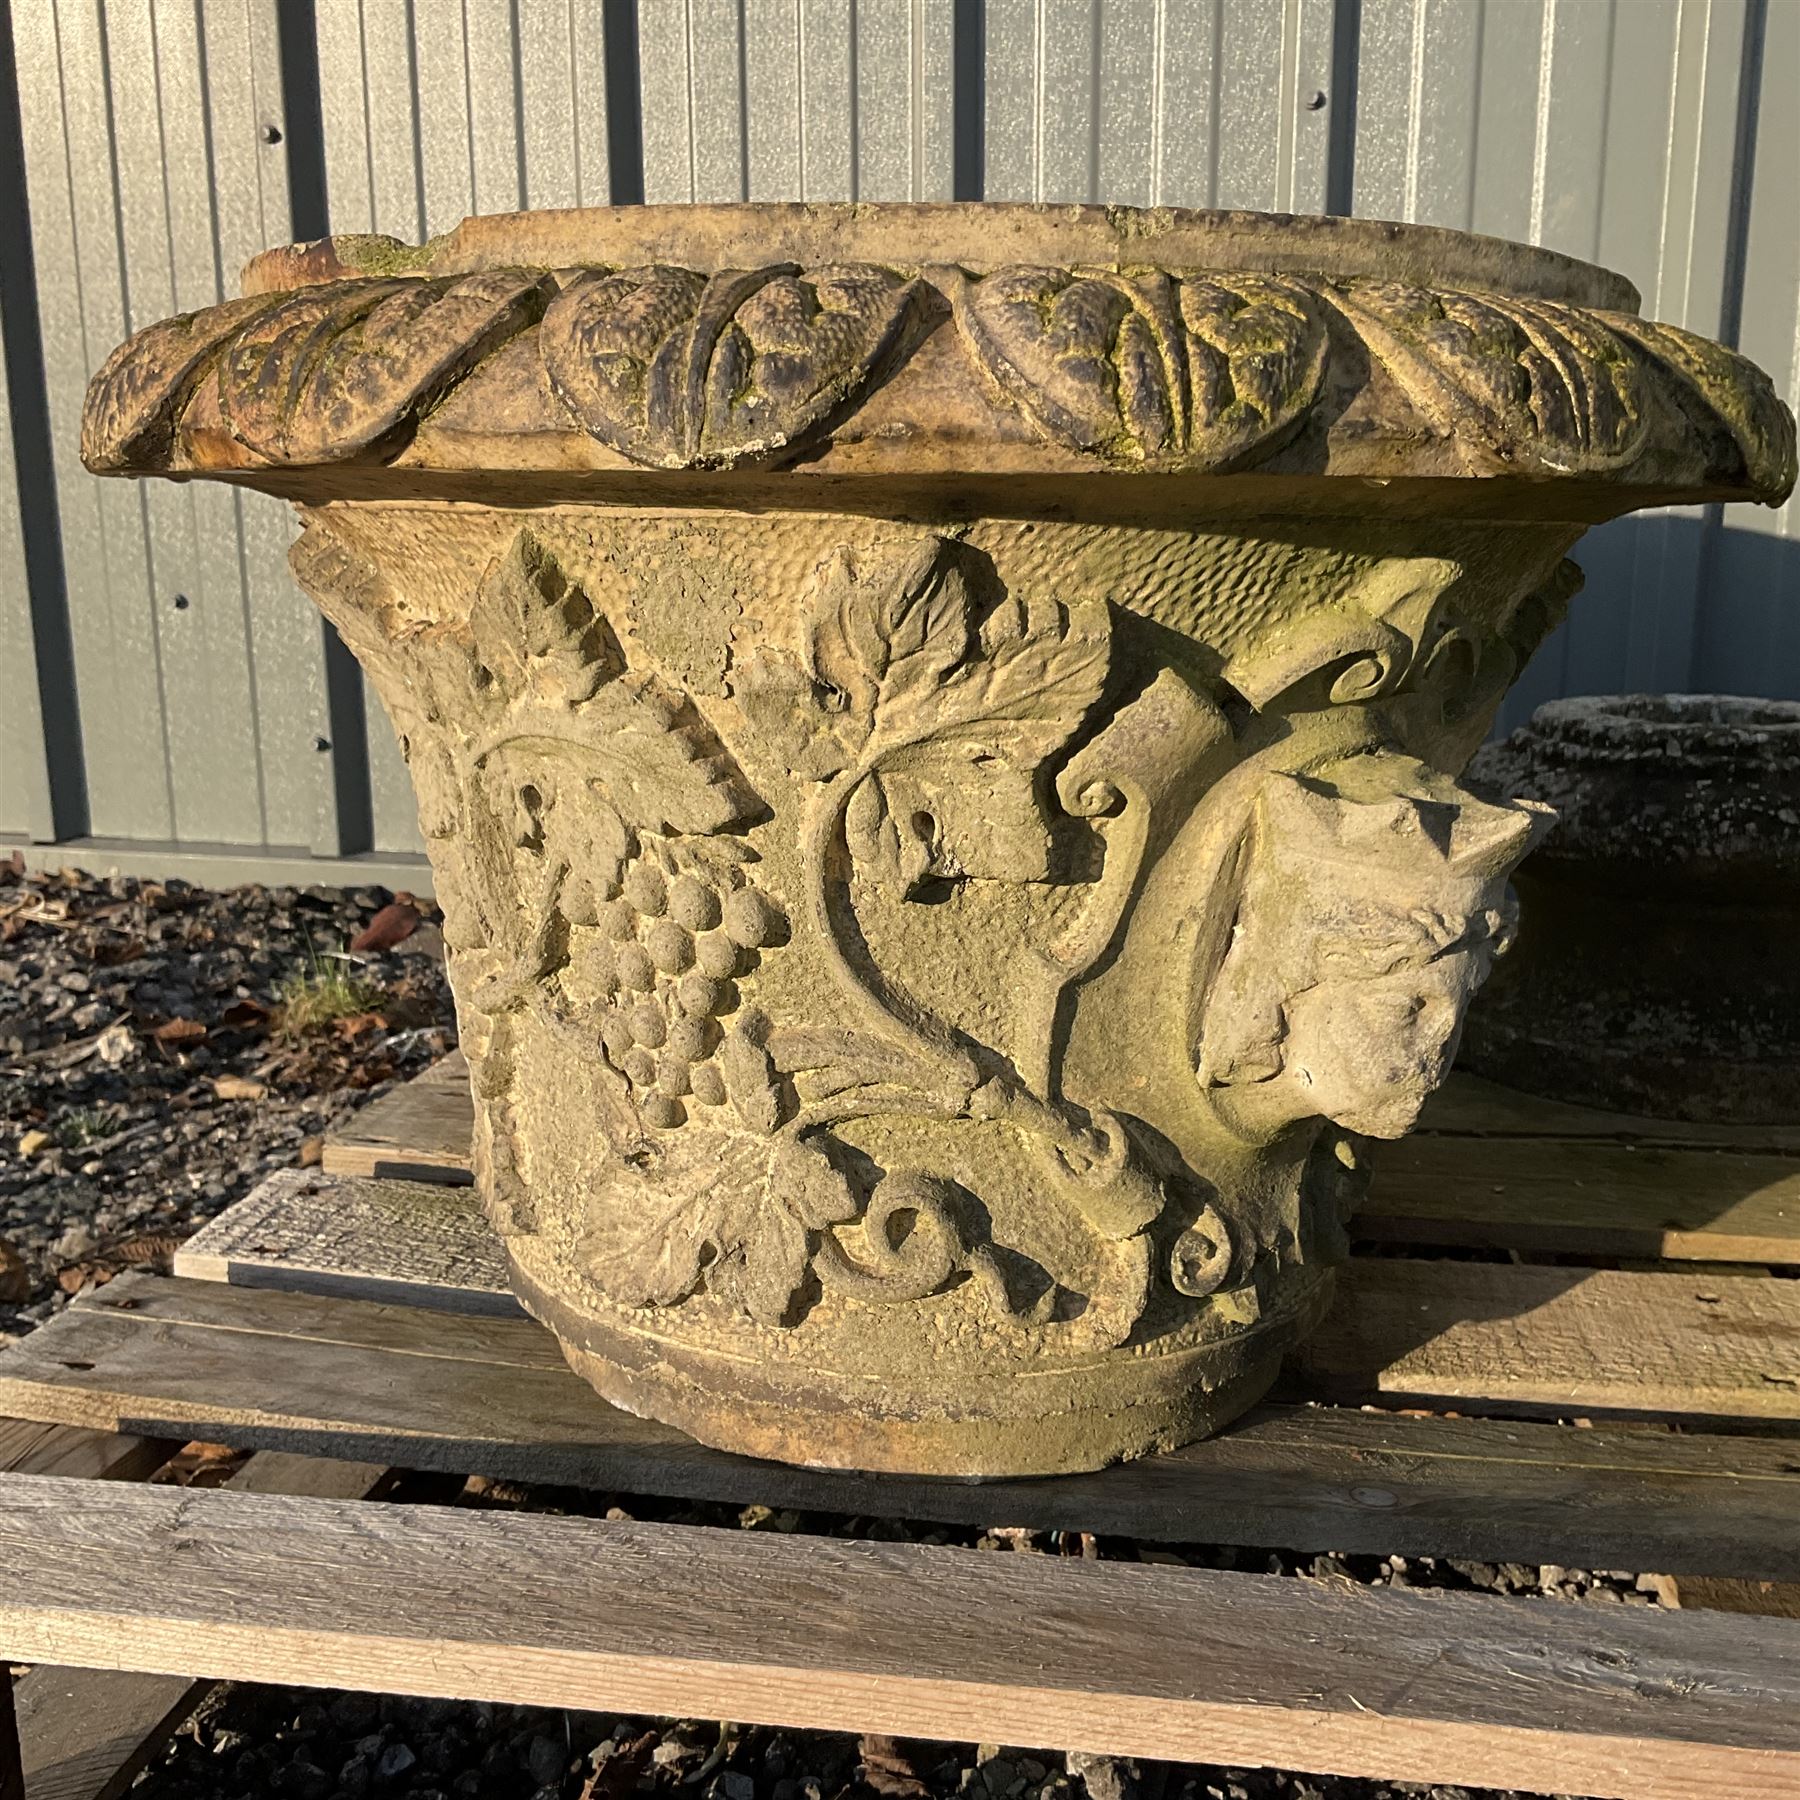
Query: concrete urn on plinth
x=937, y=731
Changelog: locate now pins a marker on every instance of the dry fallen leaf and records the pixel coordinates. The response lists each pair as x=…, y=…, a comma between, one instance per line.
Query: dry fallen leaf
x=394, y=924
x=237, y=1087
x=312, y=1152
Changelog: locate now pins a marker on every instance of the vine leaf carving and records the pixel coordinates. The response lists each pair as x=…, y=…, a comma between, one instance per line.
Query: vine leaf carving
x=680, y=370
x=563, y=692
x=735, y=1210
x=1547, y=384
x=1200, y=372
x=942, y=723
x=332, y=371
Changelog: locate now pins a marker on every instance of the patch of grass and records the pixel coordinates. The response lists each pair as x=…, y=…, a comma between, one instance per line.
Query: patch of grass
x=78, y=1126
x=325, y=991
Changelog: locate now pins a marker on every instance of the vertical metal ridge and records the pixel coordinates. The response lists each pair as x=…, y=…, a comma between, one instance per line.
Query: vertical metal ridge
x=44, y=731
x=624, y=102
x=344, y=825
x=969, y=100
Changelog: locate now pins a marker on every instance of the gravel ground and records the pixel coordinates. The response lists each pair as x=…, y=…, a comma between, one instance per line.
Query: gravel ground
x=156, y=1060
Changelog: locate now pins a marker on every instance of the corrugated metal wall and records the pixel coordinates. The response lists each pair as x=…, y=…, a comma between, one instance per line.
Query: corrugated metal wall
x=168, y=700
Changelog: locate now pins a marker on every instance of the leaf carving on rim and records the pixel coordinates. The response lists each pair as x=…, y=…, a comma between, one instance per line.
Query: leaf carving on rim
x=134, y=401
x=678, y=370
x=335, y=370
x=1544, y=384
x=1200, y=372
x=949, y=719
x=1725, y=397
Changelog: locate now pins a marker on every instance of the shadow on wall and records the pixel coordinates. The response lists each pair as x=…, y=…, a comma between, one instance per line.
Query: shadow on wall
x=1692, y=600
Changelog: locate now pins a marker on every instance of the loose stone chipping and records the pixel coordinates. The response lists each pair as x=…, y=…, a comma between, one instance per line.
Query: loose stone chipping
x=941, y=772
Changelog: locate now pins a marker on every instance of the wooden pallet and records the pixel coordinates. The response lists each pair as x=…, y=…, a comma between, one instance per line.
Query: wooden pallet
x=345, y=1321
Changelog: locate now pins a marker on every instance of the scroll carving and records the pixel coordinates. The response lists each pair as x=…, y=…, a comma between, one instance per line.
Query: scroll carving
x=600, y=848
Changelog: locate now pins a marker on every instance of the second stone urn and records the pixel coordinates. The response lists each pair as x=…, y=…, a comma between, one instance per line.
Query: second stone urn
x=937, y=731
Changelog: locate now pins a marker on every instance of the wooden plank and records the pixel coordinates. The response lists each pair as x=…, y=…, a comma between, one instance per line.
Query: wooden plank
x=1468, y=1106
x=1493, y=1335
x=87, y=1733
x=1516, y=1337
x=493, y=1396
x=905, y=1639
x=419, y=1132
x=12, y=1764
x=1769, y=1599
x=1603, y=1185
x=1600, y=1199
x=28, y=1448
x=375, y=1239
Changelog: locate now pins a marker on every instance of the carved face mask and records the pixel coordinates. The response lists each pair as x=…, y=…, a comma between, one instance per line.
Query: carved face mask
x=1373, y=905
x=1379, y=1030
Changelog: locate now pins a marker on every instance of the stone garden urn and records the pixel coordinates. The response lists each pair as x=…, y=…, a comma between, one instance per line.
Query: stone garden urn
x=937, y=731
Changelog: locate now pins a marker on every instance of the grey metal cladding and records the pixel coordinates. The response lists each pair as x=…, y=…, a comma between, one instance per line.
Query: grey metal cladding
x=1659, y=137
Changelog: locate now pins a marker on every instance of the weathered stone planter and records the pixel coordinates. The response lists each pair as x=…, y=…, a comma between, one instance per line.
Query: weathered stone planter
x=937, y=730
x=1657, y=970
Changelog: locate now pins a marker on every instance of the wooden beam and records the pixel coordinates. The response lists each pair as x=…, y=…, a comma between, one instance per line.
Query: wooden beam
x=1496, y=1335
x=32, y=1448
x=1519, y=1338
x=493, y=1396
x=87, y=1733
x=903, y=1639
x=418, y=1132
x=12, y=1766
x=1598, y=1199
x=374, y=1239
x=1468, y=1106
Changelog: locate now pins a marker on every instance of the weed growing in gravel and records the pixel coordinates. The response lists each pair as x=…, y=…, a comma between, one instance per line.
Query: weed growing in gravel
x=325, y=991
x=76, y=1127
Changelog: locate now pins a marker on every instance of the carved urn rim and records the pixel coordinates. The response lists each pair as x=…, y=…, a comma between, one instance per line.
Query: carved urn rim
x=922, y=358
x=978, y=235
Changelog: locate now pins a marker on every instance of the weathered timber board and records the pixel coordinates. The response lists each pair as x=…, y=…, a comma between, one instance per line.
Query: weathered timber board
x=1488, y=1167
x=12, y=1767
x=1517, y=1337
x=467, y=1394
x=31, y=1448
x=373, y=1238
x=419, y=1132
x=1468, y=1106
x=904, y=1639
x=1600, y=1199
x=86, y=1733
x=1489, y=1335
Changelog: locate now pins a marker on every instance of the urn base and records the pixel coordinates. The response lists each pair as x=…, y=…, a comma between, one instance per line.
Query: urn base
x=1049, y=1420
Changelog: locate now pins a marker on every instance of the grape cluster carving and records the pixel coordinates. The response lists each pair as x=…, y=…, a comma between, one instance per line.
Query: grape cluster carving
x=673, y=942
